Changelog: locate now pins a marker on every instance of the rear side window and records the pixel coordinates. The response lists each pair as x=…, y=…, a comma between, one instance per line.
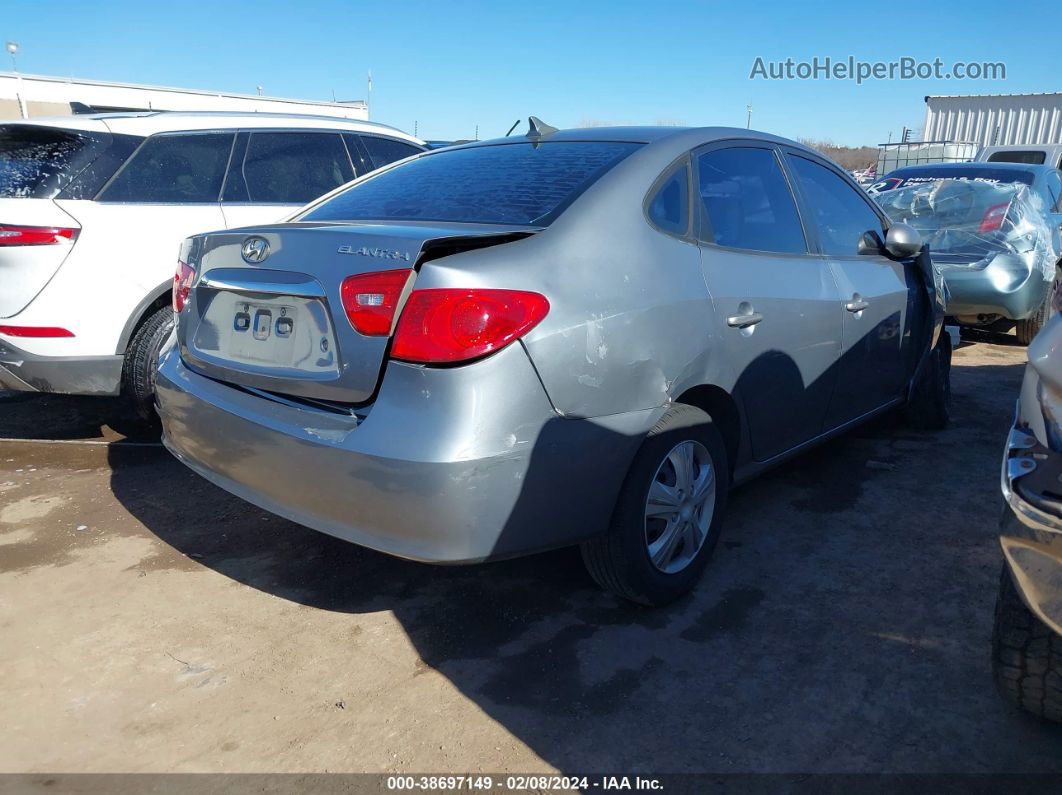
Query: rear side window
x=669, y=207
x=36, y=162
x=518, y=183
x=840, y=214
x=1032, y=158
x=747, y=203
x=289, y=168
x=386, y=150
x=179, y=169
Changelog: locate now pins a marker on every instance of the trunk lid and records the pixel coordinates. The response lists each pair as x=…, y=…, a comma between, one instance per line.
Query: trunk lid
x=25, y=270
x=279, y=325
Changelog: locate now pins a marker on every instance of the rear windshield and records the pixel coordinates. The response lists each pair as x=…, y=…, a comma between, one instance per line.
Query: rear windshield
x=518, y=183
x=925, y=174
x=1031, y=158
x=36, y=162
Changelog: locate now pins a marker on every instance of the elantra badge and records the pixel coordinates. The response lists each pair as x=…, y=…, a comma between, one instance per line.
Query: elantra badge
x=255, y=249
x=385, y=253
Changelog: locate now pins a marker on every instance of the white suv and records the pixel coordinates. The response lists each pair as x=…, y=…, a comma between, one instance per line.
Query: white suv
x=93, y=209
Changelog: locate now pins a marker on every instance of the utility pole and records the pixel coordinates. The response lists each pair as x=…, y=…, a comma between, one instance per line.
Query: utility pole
x=12, y=49
x=368, y=96
x=748, y=118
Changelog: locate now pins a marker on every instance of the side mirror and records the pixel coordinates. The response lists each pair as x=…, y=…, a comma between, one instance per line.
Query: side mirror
x=903, y=241
x=870, y=243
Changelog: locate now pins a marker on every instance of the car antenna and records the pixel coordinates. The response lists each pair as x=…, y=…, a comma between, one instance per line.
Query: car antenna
x=512, y=128
x=538, y=129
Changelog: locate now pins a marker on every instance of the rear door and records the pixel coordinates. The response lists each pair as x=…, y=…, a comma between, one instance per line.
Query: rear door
x=275, y=172
x=777, y=303
x=878, y=296
x=167, y=191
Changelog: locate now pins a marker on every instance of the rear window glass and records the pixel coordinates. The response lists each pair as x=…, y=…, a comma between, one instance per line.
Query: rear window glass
x=175, y=169
x=1032, y=158
x=518, y=183
x=36, y=162
x=921, y=174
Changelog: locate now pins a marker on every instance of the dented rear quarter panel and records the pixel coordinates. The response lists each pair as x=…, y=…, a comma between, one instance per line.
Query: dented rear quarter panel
x=631, y=322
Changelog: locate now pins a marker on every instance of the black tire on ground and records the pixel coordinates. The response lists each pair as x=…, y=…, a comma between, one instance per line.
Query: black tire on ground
x=619, y=561
x=1026, y=655
x=929, y=408
x=142, y=360
x=1026, y=329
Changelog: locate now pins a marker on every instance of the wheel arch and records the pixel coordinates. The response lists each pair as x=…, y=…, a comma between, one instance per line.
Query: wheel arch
x=151, y=303
x=721, y=406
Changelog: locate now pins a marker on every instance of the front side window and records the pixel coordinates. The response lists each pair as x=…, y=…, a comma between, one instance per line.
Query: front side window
x=669, y=207
x=386, y=150
x=747, y=203
x=518, y=183
x=837, y=210
x=177, y=169
x=289, y=168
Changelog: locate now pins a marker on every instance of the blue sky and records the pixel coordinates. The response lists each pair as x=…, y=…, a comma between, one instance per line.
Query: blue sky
x=449, y=66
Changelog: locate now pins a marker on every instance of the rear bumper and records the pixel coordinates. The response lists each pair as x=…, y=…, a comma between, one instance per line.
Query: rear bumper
x=452, y=465
x=1031, y=530
x=1009, y=286
x=90, y=375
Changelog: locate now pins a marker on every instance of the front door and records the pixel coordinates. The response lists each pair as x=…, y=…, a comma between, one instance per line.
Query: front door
x=878, y=295
x=777, y=303
x=275, y=172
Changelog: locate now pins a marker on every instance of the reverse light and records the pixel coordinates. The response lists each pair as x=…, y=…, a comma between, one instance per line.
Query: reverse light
x=440, y=326
x=38, y=332
x=11, y=235
x=994, y=218
x=182, y=285
x=370, y=300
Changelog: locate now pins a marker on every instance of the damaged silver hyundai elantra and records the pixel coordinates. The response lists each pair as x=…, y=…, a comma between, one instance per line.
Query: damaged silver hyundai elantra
x=571, y=337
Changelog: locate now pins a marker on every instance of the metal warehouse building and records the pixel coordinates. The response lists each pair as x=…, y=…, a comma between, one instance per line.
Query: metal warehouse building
x=995, y=119
x=24, y=96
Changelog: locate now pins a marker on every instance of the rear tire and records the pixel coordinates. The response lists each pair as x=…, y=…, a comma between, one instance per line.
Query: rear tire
x=142, y=361
x=929, y=408
x=1026, y=329
x=620, y=561
x=1026, y=655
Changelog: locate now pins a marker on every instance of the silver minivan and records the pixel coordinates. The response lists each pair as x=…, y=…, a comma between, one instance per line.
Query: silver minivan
x=572, y=337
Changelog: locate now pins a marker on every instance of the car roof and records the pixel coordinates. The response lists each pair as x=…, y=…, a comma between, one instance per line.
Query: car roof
x=151, y=122
x=977, y=164
x=695, y=136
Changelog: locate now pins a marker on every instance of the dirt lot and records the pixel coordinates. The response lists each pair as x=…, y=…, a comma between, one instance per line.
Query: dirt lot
x=150, y=622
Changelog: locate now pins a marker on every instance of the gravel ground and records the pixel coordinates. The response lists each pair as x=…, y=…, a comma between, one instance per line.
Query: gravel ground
x=151, y=622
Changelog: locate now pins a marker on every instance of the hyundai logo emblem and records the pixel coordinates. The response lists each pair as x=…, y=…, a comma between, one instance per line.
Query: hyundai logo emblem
x=255, y=249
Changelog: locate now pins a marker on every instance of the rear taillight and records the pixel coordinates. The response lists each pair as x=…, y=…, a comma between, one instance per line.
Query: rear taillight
x=39, y=332
x=182, y=285
x=994, y=217
x=11, y=235
x=454, y=325
x=370, y=300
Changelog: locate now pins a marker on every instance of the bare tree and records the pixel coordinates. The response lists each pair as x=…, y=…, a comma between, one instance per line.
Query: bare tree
x=849, y=158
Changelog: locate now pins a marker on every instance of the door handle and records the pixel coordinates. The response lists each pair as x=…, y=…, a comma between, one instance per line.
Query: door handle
x=856, y=305
x=744, y=321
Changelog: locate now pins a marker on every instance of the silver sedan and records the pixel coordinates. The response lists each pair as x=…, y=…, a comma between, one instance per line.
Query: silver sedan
x=571, y=337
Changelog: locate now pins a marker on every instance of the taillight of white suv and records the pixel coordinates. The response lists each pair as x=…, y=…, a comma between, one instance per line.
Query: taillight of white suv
x=11, y=235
